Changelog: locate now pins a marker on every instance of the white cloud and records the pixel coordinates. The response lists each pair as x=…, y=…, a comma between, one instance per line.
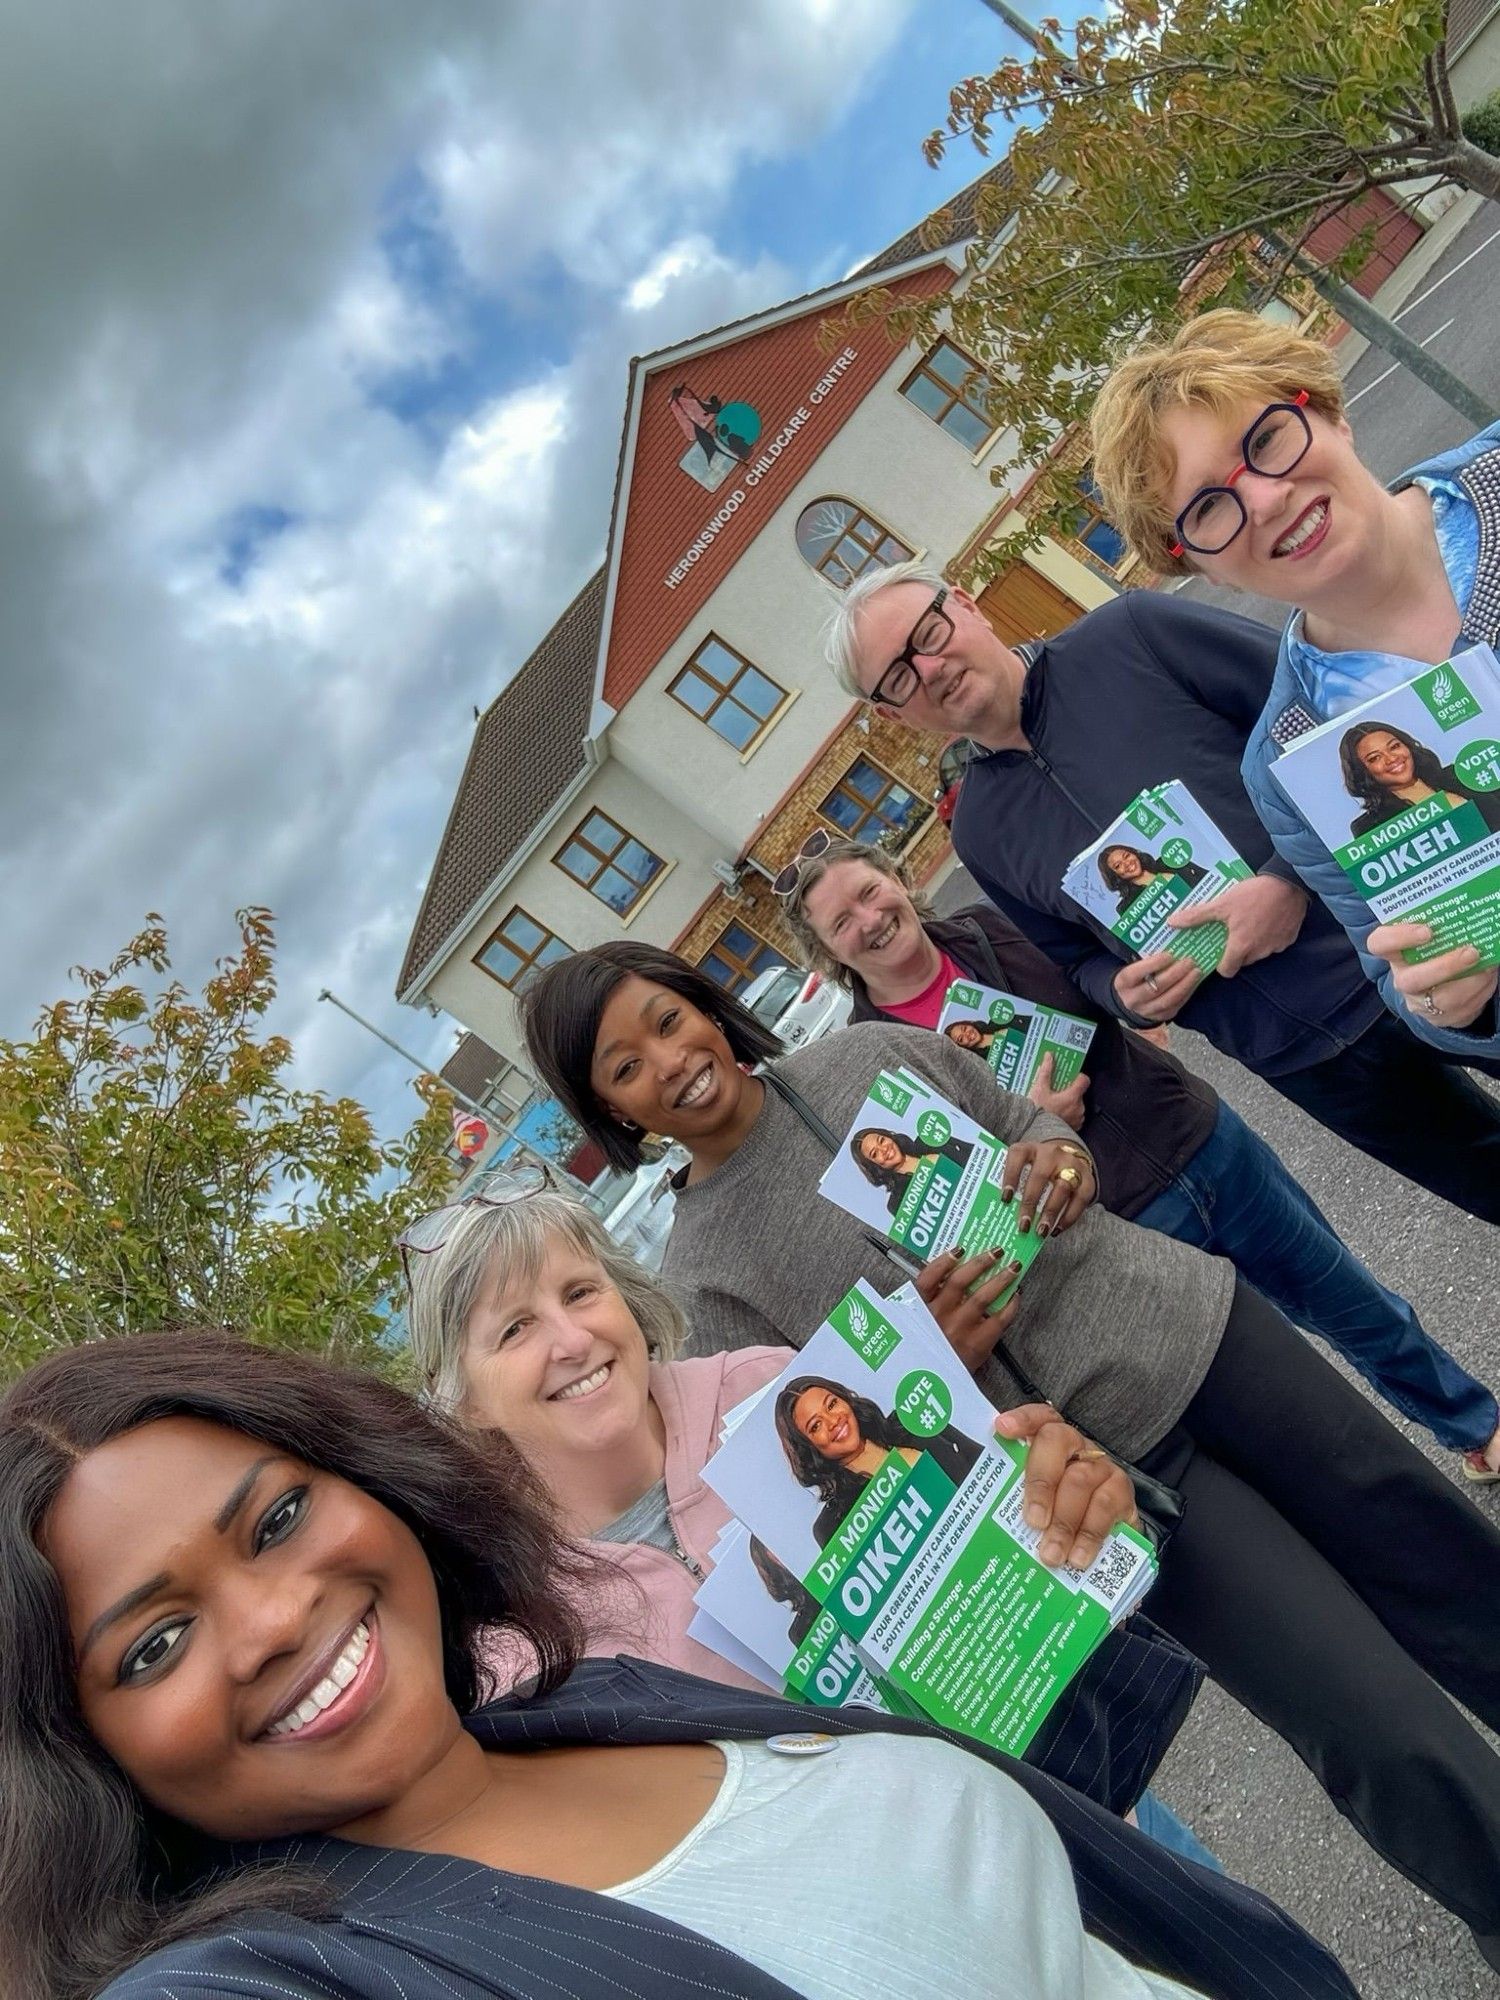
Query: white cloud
x=198, y=312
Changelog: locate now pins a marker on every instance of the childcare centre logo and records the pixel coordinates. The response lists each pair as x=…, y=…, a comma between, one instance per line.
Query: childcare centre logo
x=720, y=436
x=1445, y=697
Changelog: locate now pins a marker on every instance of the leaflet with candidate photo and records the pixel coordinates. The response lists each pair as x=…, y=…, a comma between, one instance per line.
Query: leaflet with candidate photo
x=1404, y=792
x=921, y=1173
x=1161, y=855
x=874, y=1473
x=1013, y=1035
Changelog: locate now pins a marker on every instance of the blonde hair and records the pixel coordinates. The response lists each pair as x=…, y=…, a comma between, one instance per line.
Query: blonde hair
x=489, y=1246
x=794, y=909
x=1223, y=361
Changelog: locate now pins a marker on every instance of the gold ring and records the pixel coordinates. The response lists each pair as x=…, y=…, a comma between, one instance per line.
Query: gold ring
x=1086, y=1452
x=1069, y=1176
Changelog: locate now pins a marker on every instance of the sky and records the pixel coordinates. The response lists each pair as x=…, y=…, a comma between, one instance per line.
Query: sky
x=317, y=327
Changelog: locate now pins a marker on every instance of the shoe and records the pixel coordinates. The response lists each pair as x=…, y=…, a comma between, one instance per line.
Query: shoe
x=1477, y=1470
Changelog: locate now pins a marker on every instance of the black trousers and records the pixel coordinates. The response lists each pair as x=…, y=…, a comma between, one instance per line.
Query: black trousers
x=1335, y=1583
x=1412, y=1108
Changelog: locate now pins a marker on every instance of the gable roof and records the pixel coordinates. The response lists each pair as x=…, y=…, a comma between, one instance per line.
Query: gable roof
x=957, y=221
x=768, y=361
x=528, y=746
x=1465, y=19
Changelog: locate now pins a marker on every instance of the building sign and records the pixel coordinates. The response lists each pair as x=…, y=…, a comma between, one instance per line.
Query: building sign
x=722, y=431
x=720, y=435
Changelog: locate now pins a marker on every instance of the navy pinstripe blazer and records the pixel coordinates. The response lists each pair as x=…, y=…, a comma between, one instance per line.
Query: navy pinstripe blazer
x=429, y=1927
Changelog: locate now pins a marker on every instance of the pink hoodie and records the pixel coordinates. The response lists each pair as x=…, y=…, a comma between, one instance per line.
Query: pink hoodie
x=650, y=1618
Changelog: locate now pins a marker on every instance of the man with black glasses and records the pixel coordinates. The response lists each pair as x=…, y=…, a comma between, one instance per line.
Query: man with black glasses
x=1068, y=730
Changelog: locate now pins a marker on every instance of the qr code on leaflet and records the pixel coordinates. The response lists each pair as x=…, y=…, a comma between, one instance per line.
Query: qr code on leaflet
x=1112, y=1569
x=1076, y=1034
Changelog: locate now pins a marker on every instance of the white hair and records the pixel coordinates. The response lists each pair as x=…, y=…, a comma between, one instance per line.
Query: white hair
x=840, y=643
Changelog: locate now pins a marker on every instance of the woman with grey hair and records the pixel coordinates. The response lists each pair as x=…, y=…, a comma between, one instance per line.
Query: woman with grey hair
x=526, y=1318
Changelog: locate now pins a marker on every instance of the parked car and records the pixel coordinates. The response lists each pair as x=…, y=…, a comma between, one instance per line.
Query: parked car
x=951, y=767
x=797, y=1005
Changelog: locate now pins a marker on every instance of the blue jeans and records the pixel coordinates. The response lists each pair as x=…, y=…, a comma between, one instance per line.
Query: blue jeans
x=1167, y=1830
x=1235, y=1199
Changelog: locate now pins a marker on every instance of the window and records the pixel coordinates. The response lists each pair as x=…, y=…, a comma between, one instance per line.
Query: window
x=519, y=950
x=951, y=389
x=609, y=862
x=1096, y=531
x=737, y=957
x=721, y=688
x=868, y=802
x=841, y=542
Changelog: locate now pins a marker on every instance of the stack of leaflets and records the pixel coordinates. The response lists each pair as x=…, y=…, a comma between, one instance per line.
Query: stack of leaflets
x=923, y=1175
x=903, y=1575
x=1162, y=854
x=1404, y=791
x=1015, y=1036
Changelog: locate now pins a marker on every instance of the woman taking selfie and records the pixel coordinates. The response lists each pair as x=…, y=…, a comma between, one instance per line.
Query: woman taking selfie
x=1226, y=451
x=1296, y=1488
x=1171, y=1156
x=245, y=1747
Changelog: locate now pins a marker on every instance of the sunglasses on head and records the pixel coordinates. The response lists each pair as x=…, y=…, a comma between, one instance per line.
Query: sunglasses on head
x=818, y=842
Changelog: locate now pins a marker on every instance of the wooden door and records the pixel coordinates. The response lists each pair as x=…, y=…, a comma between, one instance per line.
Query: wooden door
x=1021, y=604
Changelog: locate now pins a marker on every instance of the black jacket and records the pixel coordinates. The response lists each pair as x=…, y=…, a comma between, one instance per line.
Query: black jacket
x=428, y=1927
x=1143, y=690
x=1144, y=1116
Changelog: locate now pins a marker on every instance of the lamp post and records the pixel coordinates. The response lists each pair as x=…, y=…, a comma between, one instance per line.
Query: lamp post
x=488, y=1115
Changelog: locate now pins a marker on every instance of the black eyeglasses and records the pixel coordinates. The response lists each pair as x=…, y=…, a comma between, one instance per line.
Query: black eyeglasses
x=930, y=635
x=817, y=842
x=431, y=1231
x=1279, y=438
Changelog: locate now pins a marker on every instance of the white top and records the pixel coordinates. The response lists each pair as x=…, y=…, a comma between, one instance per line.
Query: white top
x=885, y=1868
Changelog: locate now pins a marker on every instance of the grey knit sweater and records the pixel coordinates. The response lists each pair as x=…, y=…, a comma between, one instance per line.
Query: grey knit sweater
x=1117, y=1325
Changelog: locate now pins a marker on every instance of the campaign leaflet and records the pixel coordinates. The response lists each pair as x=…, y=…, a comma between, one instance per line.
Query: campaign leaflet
x=874, y=1473
x=1404, y=792
x=787, y=1639
x=1014, y=1036
x=918, y=1171
x=1162, y=854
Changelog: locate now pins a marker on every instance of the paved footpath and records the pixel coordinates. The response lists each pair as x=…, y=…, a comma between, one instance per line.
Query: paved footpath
x=1239, y=1786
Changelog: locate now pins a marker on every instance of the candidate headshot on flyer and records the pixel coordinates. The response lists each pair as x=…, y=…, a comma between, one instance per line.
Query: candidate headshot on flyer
x=1386, y=769
x=836, y=1440
x=889, y=1159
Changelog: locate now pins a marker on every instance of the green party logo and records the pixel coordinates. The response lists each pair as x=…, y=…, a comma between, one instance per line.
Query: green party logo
x=868, y=1332
x=1445, y=697
x=890, y=1094
x=1478, y=766
x=923, y=1403
x=1177, y=853
x=933, y=1129
x=1145, y=821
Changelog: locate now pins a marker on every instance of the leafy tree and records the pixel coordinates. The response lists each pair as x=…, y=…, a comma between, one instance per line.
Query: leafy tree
x=1178, y=155
x=158, y=1169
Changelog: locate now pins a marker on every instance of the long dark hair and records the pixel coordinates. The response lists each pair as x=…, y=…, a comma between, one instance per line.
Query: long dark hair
x=91, y=1877
x=1117, y=882
x=1364, y=786
x=785, y=1589
x=561, y=1010
x=892, y=1179
x=833, y=1483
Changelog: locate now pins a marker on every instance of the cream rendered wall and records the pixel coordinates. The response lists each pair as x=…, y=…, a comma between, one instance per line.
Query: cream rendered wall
x=890, y=459
x=1476, y=74
x=487, y=1008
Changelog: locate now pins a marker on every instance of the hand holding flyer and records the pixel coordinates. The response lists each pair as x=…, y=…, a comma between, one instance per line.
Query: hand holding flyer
x=1014, y=1036
x=871, y=1468
x=1161, y=855
x=1404, y=791
x=926, y=1177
